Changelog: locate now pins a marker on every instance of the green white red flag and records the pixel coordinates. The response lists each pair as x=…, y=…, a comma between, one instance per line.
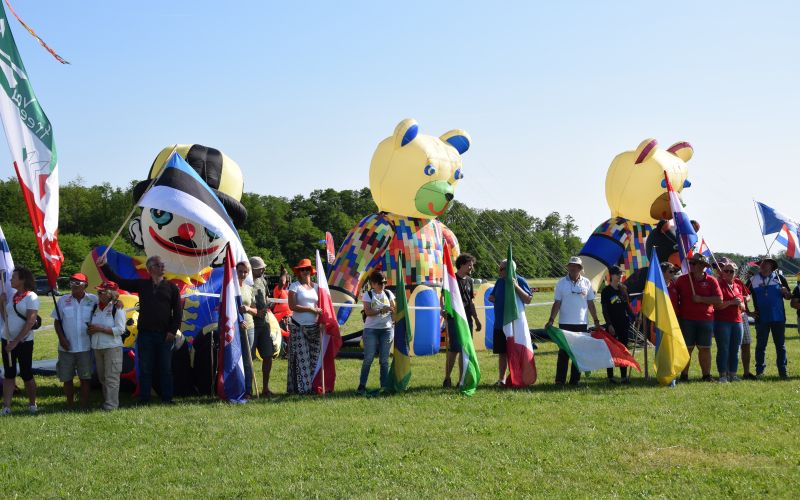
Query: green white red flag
x=33, y=150
x=454, y=307
x=519, y=348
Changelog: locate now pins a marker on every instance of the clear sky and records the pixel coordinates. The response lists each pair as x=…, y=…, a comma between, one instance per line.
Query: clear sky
x=300, y=93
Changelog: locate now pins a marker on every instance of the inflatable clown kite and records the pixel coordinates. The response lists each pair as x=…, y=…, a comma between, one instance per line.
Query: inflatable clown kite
x=191, y=252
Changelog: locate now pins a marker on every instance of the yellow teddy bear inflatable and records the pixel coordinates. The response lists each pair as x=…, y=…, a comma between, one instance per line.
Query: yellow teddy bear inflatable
x=412, y=179
x=636, y=192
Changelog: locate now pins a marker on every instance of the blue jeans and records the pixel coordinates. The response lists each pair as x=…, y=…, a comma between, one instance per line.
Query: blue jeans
x=729, y=338
x=779, y=337
x=375, y=339
x=246, y=337
x=152, y=349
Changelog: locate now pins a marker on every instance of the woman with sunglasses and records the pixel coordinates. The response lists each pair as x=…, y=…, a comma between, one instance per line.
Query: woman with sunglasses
x=106, y=326
x=728, y=323
x=304, y=333
x=379, y=306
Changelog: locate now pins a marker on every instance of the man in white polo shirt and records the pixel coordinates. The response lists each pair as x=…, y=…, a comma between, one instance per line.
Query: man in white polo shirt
x=573, y=297
x=74, y=345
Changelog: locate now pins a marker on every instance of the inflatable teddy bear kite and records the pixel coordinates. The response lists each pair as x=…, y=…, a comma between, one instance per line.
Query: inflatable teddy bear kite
x=636, y=192
x=412, y=179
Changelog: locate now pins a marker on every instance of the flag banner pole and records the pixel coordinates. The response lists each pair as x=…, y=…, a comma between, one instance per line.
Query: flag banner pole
x=760, y=224
x=136, y=206
x=252, y=366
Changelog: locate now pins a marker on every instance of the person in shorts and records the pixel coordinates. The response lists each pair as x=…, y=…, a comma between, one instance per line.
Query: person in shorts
x=698, y=292
x=465, y=263
x=71, y=318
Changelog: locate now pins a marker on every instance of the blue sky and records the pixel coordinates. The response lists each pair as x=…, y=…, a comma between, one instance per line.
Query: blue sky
x=299, y=94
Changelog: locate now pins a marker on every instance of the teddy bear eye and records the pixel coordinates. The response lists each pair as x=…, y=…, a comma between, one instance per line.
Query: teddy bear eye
x=458, y=175
x=430, y=170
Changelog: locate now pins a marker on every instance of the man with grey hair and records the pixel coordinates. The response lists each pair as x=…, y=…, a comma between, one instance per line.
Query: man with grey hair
x=573, y=296
x=160, y=313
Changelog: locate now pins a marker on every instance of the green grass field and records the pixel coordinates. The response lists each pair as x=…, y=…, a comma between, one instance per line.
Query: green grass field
x=696, y=440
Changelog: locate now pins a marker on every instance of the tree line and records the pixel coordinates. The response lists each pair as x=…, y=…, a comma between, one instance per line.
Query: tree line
x=284, y=230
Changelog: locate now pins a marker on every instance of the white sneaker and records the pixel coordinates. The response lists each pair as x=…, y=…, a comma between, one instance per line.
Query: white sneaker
x=5, y=411
x=33, y=409
x=722, y=380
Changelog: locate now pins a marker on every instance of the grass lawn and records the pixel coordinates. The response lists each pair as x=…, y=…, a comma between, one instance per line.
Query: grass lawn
x=698, y=439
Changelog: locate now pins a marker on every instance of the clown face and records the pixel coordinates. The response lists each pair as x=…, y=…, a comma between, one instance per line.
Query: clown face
x=185, y=246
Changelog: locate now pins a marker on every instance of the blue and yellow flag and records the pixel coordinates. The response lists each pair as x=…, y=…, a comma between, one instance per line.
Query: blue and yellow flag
x=671, y=353
x=400, y=371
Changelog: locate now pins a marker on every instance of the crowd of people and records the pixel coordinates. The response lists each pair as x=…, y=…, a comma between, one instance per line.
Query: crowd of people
x=711, y=306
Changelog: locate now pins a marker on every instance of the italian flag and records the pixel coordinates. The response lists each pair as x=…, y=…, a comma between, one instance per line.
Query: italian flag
x=454, y=307
x=30, y=138
x=593, y=351
x=521, y=365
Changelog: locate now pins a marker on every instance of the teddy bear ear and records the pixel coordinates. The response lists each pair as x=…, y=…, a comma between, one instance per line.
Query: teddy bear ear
x=457, y=138
x=405, y=132
x=645, y=150
x=682, y=150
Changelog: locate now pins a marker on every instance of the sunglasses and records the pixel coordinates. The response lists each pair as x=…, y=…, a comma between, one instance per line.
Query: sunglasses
x=305, y=270
x=76, y=283
x=728, y=271
x=381, y=283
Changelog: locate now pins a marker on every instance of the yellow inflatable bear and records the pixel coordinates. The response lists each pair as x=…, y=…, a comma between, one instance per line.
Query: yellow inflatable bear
x=412, y=180
x=636, y=192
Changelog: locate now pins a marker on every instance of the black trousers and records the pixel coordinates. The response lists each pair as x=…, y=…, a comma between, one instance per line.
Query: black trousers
x=563, y=359
x=621, y=333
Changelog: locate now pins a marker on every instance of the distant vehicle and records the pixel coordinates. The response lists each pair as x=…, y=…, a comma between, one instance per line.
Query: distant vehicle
x=43, y=286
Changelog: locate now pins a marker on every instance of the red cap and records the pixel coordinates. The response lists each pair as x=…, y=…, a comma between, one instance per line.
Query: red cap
x=108, y=285
x=79, y=277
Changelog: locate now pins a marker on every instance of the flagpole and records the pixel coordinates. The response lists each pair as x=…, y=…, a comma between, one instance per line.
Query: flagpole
x=252, y=367
x=135, y=206
x=760, y=225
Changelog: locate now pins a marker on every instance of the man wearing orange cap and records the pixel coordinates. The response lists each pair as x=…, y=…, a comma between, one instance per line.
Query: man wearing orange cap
x=71, y=316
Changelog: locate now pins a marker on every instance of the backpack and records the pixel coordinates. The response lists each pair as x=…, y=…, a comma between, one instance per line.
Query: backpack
x=364, y=311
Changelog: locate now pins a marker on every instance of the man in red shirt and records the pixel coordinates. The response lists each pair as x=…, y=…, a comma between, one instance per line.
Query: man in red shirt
x=698, y=292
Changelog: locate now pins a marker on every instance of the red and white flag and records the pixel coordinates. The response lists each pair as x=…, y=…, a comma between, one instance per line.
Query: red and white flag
x=325, y=371
x=30, y=139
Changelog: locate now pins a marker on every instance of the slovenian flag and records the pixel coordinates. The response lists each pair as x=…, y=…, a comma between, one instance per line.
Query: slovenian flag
x=230, y=367
x=521, y=365
x=325, y=369
x=180, y=190
x=788, y=238
x=593, y=351
x=684, y=232
x=671, y=353
x=400, y=371
x=454, y=307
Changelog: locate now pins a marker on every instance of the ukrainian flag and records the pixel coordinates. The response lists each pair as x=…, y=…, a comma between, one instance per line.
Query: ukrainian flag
x=671, y=353
x=400, y=371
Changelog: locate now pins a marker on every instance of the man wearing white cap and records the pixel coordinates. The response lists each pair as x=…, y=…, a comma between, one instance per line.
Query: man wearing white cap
x=263, y=340
x=573, y=296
